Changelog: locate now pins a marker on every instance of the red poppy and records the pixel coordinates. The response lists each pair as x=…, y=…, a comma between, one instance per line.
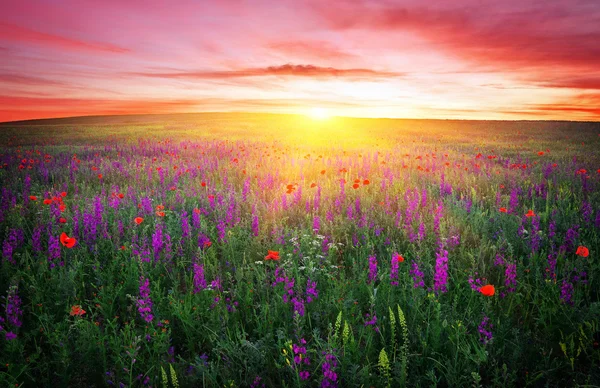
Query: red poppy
x=62, y=208
x=355, y=186
x=203, y=184
x=313, y=185
x=77, y=310
x=99, y=176
x=67, y=241
x=47, y=201
x=121, y=195
x=488, y=290
x=503, y=210
x=207, y=244
x=160, y=207
x=123, y=247
x=357, y=181
x=138, y=220
x=273, y=255
x=62, y=220
x=582, y=251
x=541, y=153
x=160, y=214
x=530, y=213
x=322, y=172
x=399, y=258
x=366, y=182
x=63, y=194
x=32, y=198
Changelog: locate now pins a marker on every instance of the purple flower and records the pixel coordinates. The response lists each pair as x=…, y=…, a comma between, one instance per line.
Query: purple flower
x=476, y=283
x=328, y=368
x=586, y=212
x=14, y=314
x=311, y=291
x=255, y=225
x=371, y=321
x=279, y=276
x=499, y=260
x=514, y=200
x=12, y=242
x=257, y=383
x=551, y=268
x=510, y=277
x=421, y=232
x=196, y=219
x=221, y=230
x=199, y=280
x=570, y=237
x=566, y=292
x=316, y=224
x=394, y=265
x=372, y=268
x=157, y=241
x=288, y=289
x=185, y=225
x=36, y=239
x=300, y=358
x=144, y=302
x=440, y=278
x=53, y=250
x=485, y=330
x=535, y=239
x=216, y=284
x=417, y=276
x=298, y=303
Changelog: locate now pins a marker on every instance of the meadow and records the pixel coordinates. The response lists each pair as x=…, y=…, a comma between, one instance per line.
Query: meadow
x=255, y=250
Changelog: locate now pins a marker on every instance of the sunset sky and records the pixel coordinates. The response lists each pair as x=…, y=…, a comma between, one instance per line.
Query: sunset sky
x=468, y=59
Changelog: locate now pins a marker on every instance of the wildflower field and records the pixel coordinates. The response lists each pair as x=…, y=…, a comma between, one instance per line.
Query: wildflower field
x=235, y=250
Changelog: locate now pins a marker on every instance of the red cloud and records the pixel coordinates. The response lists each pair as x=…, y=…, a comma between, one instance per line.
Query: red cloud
x=25, y=108
x=287, y=70
x=312, y=49
x=28, y=80
x=512, y=35
x=14, y=33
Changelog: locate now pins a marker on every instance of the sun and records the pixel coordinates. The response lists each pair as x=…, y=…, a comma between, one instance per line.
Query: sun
x=318, y=113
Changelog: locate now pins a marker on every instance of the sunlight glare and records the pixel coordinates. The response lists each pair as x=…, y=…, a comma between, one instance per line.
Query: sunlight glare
x=318, y=113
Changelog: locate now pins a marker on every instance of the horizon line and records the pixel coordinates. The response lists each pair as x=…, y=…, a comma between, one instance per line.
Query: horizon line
x=22, y=122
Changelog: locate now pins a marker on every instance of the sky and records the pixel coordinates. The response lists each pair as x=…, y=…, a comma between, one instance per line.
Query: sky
x=466, y=59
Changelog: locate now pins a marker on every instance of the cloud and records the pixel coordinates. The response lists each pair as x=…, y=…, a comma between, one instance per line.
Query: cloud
x=19, y=79
x=310, y=49
x=584, y=106
x=585, y=83
x=536, y=36
x=287, y=70
x=24, y=108
x=15, y=33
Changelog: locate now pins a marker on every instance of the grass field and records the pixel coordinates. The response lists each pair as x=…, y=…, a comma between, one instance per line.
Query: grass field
x=255, y=250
